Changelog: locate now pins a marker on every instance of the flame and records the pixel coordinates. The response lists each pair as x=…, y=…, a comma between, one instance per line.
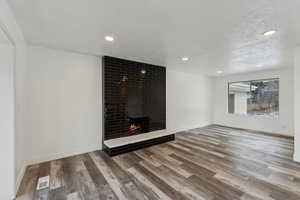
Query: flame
x=133, y=127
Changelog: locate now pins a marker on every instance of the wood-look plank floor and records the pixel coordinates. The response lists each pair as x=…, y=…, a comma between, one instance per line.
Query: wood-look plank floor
x=210, y=163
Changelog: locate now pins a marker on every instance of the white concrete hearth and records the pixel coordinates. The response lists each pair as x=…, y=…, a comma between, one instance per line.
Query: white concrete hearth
x=112, y=143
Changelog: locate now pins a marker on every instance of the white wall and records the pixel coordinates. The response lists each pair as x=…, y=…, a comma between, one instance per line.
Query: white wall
x=188, y=101
x=7, y=121
x=297, y=104
x=284, y=125
x=63, y=104
x=10, y=26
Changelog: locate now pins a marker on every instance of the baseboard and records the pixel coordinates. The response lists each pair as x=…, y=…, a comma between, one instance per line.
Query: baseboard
x=296, y=157
x=276, y=134
x=178, y=130
x=61, y=155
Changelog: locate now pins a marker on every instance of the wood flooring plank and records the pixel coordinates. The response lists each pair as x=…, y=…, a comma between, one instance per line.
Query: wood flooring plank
x=56, y=175
x=58, y=193
x=28, y=184
x=70, y=175
x=216, y=187
x=160, y=183
x=159, y=194
x=44, y=170
x=145, y=155
x=209, y=163
x=136, y=189
x=93, y=171
x=176, y=181
x=110, y=177
x=193, y=168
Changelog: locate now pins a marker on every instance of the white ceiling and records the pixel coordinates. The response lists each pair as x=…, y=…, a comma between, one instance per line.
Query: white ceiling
x=214, y=34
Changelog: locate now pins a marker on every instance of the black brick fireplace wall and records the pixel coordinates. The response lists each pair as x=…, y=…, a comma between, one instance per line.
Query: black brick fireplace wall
x=132, y=90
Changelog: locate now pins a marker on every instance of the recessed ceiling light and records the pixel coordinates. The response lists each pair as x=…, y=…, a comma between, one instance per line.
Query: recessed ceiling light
x=259, y=65
x=269, y=33
x=109, y=38
x=220, y=72
x=184, y=58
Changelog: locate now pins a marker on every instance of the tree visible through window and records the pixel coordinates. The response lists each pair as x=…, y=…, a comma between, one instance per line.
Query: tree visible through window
x=258, y=97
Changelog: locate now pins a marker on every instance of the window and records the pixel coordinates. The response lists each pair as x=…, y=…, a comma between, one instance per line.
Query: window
x=258, y=97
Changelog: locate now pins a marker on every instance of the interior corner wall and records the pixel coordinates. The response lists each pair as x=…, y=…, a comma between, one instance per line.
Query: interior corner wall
x=7, y=121
x=189, y=98
x=284, y=125
x=297, y=104
x=8, y=22
x=63, y=104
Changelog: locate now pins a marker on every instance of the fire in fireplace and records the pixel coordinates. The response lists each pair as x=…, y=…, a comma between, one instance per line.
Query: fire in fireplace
x=134, y=128
x=138, y=125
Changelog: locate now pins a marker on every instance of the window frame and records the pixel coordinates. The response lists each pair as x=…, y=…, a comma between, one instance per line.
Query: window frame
x=250, y=81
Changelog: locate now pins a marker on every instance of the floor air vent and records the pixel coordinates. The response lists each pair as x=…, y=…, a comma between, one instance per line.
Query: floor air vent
x=43, y=183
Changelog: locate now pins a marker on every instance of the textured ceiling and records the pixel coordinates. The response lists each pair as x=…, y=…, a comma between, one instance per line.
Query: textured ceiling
x=214, y=34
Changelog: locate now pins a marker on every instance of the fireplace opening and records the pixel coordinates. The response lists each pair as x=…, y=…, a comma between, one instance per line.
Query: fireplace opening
x=134, y=128
x=138, y=125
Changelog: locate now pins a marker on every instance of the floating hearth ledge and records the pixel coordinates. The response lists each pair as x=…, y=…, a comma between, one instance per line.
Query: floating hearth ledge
x=125, y=144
